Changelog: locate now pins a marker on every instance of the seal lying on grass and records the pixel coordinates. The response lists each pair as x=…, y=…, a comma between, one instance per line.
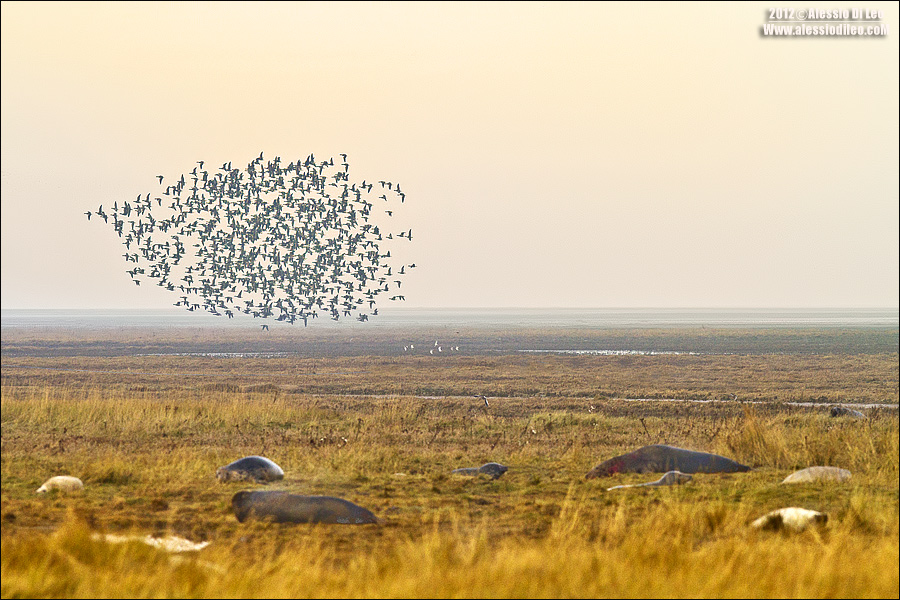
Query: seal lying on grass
x=790, y=519
x=250, y=468
x=670, y=478
x=283, y=507
x=659, y=459
x=169, y=543
x=491, y=469
x=843, y=411
x=815, y=474
x=63, y=483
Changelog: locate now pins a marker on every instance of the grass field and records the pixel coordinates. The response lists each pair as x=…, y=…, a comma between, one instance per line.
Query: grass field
x=146, y=433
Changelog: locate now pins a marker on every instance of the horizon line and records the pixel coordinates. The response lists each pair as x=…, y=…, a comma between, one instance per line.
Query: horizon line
x=510, y=307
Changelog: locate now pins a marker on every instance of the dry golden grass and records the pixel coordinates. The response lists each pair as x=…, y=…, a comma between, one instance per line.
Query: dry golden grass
x=147, y=439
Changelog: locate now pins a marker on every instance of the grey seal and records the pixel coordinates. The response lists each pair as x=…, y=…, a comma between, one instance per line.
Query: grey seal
x=660, y=458
x=250, y=468
x=814, y=474
x=283, y=507
x=843, y=411
x=789, y=519
x=169, y=543
x=63, y=483
x=670, y=478
x=491, y=469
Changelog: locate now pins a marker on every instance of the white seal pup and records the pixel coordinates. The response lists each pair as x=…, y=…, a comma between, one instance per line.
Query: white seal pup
x=63, y=483
x=815, y=474
x=670, y=478
x=491, y=469
x=250, y=468
x=169, y=543
x=789, y=519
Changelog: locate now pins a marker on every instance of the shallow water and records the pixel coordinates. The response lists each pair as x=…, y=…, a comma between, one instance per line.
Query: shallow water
x=446, y=333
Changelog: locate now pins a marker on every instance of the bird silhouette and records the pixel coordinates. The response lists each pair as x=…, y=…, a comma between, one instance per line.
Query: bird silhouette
x=279, y=239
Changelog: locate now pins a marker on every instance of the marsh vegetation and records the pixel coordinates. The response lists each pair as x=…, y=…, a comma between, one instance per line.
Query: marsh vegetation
x=146, y=434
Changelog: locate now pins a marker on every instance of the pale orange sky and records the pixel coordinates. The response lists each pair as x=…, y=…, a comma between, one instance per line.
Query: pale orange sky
x=553, y=155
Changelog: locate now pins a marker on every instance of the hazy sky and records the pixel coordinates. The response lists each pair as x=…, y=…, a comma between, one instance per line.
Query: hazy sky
x=552, y=155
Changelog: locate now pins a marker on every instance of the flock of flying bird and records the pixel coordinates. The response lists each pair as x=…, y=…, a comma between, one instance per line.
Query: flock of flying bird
x=284, y=241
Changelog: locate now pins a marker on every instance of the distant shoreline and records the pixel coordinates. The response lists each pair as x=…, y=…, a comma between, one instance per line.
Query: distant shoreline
x=472, y=317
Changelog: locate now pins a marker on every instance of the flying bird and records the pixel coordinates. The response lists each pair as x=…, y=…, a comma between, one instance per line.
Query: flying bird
x=285, y=240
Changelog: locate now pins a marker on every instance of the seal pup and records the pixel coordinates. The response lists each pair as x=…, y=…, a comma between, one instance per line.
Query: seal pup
x=660, y=459
x=789, y=519
x=843, y=411
x=283, y=507
x=670, y=478
x=169, y=543
x=814, y=474
x=63, y=483
x=491, y=469
x=250, y=468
